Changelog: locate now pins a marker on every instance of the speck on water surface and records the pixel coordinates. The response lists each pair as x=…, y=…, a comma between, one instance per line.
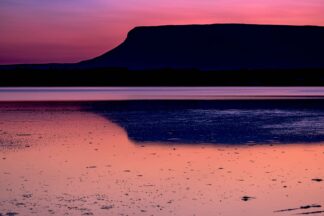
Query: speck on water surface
x=247, y=198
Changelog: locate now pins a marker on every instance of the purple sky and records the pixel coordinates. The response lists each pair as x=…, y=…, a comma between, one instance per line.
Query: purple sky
x=43, y=31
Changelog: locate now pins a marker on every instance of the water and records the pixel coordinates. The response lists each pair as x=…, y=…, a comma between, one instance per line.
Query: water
x=161, y=157
x=149, y=93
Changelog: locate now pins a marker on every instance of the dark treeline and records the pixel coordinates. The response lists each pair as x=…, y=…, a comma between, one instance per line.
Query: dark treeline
x=163, y=77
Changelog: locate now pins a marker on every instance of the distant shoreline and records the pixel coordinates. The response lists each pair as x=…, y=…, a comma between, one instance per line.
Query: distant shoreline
x=114, y=77
x=92, y=94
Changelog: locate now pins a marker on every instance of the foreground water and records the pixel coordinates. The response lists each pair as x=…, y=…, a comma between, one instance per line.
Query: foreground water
x=162, y=158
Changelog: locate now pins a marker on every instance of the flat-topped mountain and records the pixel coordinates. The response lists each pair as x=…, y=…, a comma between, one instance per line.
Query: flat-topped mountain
x=192, y=55
x=217, y=47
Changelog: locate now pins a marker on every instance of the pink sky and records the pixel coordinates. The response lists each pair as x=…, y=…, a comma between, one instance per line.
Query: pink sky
x=44, y=31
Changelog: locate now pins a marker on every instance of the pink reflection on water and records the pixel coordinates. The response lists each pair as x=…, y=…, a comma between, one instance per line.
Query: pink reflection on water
x=66, y=161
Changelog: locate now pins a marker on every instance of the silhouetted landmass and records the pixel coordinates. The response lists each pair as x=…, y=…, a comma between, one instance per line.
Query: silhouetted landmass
x=218, y=47
x=192, y=55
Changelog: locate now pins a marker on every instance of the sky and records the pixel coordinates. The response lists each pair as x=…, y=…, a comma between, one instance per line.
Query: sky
x=68, y=31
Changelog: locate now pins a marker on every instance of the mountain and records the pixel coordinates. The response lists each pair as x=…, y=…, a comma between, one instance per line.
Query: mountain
x=192, y=55
x=217, y=47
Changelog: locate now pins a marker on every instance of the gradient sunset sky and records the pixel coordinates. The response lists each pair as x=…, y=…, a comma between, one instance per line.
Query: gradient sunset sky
x=44, y=31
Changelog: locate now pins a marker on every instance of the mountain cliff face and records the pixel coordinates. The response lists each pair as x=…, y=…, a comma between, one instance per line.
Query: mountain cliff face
x=218, y=47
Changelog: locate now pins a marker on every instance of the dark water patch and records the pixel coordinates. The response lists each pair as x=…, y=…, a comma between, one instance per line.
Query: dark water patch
x=10, y=143
x=91, y=167
x=27, y=195
x=11, y=213
x=218, y=122
x=23, y=134
x=107, y=207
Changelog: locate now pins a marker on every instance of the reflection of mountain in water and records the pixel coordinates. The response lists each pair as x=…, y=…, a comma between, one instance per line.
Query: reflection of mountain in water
x=219, y=122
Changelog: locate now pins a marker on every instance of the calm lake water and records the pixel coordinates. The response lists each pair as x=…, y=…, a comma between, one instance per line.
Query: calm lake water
x=133, y=93
x=161, y=157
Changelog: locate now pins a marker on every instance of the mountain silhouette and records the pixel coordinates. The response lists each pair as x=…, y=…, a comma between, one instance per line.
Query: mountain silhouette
x=217, y=47
x=192, y=55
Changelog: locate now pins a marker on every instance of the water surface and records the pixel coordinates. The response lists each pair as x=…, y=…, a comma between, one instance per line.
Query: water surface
x=150, y=93
x=109, y=159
